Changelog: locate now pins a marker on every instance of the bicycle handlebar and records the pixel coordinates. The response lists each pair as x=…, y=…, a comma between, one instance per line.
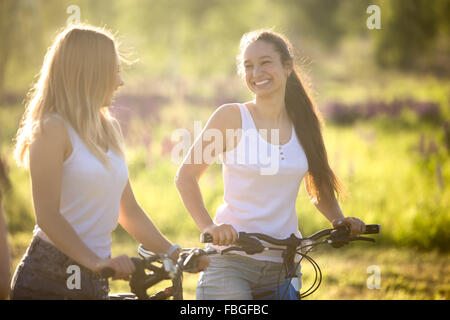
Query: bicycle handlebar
x=372, y=229
x=248, y=239
x=141, y=280
x=249, y=242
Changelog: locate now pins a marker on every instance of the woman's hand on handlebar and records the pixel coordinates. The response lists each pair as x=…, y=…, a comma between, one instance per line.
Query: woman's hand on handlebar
x=198, y=263
x=203, y=263
x=223, y=235
x=122, y=265
x=355, y=225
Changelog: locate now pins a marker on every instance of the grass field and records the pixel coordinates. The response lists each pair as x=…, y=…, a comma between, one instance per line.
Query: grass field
x=396, y=171
x=404, y=273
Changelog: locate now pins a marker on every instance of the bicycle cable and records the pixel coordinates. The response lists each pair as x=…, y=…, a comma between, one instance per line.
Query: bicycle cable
x=313, y=263
x=317, y=280
x=317, y=272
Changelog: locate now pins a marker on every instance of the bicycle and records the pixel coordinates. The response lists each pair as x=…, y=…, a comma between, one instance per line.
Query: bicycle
x=152, y=268
x=252, y=243
x=160, y=267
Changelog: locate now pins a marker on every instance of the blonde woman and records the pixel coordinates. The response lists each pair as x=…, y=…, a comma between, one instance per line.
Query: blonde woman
x=79, y=178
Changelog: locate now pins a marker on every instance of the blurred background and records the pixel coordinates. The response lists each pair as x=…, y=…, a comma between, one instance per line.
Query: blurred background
x=380, y=78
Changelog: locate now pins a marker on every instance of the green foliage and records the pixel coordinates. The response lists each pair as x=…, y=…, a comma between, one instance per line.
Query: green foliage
x=180, y=40
x=410, y=30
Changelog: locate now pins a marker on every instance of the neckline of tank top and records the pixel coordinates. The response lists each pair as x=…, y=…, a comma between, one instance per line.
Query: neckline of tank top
x=270, y=144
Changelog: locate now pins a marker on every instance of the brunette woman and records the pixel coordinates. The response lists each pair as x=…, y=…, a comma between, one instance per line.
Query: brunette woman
x=283, y=126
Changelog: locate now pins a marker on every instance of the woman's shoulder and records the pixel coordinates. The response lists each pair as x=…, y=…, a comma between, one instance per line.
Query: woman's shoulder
x=53, y=130
x=227, y=116
x=53, y=123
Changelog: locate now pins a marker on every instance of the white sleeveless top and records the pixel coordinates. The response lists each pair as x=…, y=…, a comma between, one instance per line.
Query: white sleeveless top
x=261, y=185
x=90, y=195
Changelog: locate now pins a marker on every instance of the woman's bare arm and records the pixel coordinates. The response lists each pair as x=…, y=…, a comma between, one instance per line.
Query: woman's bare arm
x=192, y=168
x=331, y=210
x=136, y=222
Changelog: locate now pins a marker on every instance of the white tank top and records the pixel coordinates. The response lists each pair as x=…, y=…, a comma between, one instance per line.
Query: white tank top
x=90, y=195
x=261, y=185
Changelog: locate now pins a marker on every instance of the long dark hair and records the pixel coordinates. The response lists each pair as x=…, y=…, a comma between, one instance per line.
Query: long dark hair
x=306, y=118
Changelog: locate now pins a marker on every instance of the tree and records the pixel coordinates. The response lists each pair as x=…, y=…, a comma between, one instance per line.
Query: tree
x=410, y=28
x=8, y=22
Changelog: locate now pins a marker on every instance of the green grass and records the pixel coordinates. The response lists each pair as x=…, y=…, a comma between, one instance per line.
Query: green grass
x=405, y=273
x=389, y=182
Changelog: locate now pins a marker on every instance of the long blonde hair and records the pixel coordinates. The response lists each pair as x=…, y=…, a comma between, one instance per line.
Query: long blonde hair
x=77, y=81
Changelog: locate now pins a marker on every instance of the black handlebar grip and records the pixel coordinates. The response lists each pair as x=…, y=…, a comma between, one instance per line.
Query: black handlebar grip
x=372, y=229
x=107, y=272
x=206, y=238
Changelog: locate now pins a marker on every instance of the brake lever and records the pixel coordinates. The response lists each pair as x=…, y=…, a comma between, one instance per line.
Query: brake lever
x=248, y=249
x=363, y=239
x=231, y=249
x=251, y=245
x=340, y=240
x=190, y=263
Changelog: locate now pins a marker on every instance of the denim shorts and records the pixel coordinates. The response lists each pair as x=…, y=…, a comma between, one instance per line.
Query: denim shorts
x=45, y=273
x=238, y=277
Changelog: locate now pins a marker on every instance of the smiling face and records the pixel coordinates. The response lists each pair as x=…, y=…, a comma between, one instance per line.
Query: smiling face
x=263, y=69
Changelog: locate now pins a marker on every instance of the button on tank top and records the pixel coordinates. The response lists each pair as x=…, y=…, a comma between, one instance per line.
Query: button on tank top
x=261, y=185
x=90, y=194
